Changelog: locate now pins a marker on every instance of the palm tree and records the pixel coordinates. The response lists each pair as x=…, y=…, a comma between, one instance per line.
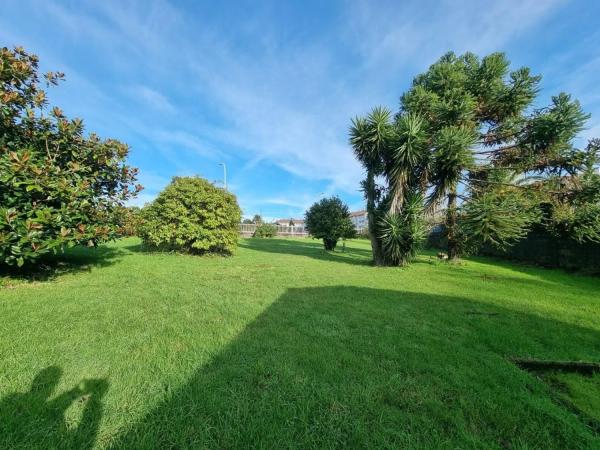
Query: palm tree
x=408, y=166
x=369, y=138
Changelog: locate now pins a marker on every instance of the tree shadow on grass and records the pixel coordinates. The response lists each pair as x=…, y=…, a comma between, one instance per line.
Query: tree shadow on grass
x=35, y=420
x=349, y=367
x=138, y=248
x=552, y=274
x=498, y=272
x=311, y=248
x=73, y=260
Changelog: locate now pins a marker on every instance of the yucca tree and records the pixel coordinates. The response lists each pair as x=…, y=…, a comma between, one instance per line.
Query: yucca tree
x=369, y=138
x=403, y=232
x=395, y=152
x=408, y=165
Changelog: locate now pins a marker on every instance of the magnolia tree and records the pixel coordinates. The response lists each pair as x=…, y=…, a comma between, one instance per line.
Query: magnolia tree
x=467, y=141
x=58, y=186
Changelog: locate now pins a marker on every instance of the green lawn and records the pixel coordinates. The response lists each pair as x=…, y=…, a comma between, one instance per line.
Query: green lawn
x=284, y=345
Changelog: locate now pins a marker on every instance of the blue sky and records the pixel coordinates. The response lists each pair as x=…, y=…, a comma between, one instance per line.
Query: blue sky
x=269, y=87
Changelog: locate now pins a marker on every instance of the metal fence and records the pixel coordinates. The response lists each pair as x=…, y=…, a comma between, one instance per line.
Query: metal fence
x=247, y=229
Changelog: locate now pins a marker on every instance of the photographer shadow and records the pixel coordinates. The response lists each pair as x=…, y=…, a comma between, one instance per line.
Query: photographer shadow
x=36, y=420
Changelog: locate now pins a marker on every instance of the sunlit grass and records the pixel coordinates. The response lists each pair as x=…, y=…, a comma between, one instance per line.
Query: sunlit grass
x=284, y=345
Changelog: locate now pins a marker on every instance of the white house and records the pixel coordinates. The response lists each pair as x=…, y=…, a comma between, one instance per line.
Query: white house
x=296, y=223
x=359, y=219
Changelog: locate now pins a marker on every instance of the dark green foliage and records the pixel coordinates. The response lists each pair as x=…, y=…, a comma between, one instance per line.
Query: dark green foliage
x=265, y=230
x=464, y=102
x=498, y=218
x=329, y=219
x=574, y=201
x=543, y=143
x=193, y=216
x=257, y=219
x=58, y=187
x=543, y=248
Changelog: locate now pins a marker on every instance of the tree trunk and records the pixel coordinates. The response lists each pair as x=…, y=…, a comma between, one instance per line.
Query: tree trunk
x=378, y=259
x=451, y=226
x=329, y=244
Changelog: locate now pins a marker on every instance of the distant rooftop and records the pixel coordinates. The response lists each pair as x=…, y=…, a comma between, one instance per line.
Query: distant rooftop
x=286, y=221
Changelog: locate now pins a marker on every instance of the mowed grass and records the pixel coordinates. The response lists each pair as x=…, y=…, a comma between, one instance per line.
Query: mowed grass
x=286, y=346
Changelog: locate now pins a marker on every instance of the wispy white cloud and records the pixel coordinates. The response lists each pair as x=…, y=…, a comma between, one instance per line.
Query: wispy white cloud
x=280, y=101
x=287, y=201
x=152, y=98
x=293, y=107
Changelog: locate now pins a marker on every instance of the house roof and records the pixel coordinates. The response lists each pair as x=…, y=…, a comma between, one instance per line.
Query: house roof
x=286, y=221
x=362, y=212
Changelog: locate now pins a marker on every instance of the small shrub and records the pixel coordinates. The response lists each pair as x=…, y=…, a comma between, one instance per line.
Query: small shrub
x=329, y=219
x=191, y=215
x=265, y=230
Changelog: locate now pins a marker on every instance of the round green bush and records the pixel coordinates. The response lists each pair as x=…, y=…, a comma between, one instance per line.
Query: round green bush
x=192, y=215
x=265, y=230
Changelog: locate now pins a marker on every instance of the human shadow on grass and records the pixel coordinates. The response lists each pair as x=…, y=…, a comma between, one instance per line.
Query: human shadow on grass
x=311, y=248
x=73, y=260
x=349, y=367
x=35, y=420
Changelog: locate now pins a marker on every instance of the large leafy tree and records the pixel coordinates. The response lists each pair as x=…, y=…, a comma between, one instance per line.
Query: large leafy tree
x=329, y=219
x=58, y=186
x=466, y=103
x=465, y=137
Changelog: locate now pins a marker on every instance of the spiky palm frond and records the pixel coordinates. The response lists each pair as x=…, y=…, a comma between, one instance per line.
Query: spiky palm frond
x=359, y=141
x=403, y=233
x=407, y=151
x=369, y=137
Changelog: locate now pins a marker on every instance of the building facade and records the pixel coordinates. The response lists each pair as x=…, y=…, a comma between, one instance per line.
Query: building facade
x=297, y=223
x=359, y=219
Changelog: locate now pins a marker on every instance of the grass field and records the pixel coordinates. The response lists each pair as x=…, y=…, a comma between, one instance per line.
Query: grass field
x=284, y=345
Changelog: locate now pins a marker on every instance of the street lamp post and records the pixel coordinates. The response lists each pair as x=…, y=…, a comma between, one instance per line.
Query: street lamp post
x=224, y=175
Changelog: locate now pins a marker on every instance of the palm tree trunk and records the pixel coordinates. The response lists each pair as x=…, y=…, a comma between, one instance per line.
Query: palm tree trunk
x=378, y=259
x=451, y=226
